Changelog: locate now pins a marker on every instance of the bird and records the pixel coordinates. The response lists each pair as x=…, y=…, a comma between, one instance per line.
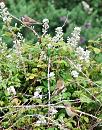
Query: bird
x=70, y=110
x=29, y=21
x=59, y=87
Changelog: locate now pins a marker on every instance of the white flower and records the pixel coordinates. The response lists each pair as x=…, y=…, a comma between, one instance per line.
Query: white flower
x=45, y=26
x=53, y=111
x=45, y=20
x=86, y=55
x=38, y=89
x=40, y=96
x=80, y=52
x=86, y=7
x=11, y=89
x=73, y=41
x=5, y=18
x=38, y=123
x=20, y=36
x=4, y=13
x=15, y=24
x=51, y=74
x=59, y=35
x=74, y=73
x=59, y=30
x=37, y=93
x=79, y=67
x=49, y=46
x=82, y=55
x=9, y=56
x=43, y=55
x=41, y=121
x=2, y=5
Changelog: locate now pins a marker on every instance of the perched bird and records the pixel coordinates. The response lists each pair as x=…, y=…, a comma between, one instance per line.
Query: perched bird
x=70, y=110
x=59, y=87
x=29, y=21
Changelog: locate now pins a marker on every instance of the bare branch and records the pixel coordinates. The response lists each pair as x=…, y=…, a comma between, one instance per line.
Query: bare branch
x=35, y=33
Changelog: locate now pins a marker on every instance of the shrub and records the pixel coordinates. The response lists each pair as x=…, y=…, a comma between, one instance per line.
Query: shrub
x=51, y=84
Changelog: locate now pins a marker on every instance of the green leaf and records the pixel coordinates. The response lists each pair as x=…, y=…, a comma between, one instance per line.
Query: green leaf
x=51, y=128
x=99, y=82
x=69, y=124
x=32, y=76
x=96, y=50
x=85, y=98
x=86, y=119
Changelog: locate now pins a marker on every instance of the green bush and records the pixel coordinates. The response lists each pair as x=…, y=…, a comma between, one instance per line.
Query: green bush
x=57, y=11
x=51, y=84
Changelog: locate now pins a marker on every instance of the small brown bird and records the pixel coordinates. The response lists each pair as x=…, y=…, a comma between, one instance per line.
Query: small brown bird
x=59, y=87
x=29, y=21
x=70, y=110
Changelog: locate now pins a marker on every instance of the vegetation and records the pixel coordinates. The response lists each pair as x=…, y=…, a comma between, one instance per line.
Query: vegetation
x=51, y=77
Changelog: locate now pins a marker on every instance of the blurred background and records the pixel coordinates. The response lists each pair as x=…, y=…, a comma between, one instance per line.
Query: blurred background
x=86, y=14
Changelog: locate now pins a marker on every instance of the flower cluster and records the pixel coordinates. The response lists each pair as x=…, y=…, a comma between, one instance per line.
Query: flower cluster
x=86, y=7
x=74, y=73
x=37, y=93
x=53, y=111
x=43, y=55
x=82, y=55
x=41, y=121
x=59, y=35
x=51, y=74
x=73, y=41
x=50, y=46
x=3, y=46
x=4, y=13
x=18, y=39
x=80, y=52
x=78, y=67
x=45, y=26
x=11, y=90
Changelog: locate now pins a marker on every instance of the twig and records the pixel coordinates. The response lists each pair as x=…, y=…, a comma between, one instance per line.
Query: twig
x=87, y=114
x=82, y=72
x=49, y=79
x=35, y=106
x=89, y=92
x=31, y=106
x=49, y=86
x=74, y=101
x=49, y=119
x=93, y=126
x=36, y=34
x=71, y=62
x=66, y=20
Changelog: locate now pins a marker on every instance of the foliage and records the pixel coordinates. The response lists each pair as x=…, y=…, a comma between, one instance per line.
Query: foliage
x=29, y=74
x=56, y=11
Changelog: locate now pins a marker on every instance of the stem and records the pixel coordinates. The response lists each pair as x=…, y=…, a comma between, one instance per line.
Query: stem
x=49, y=79
x=71, y=62
x=62, y=107
x=36, y=34
x=49, y=87
x=87, y=114
x=89, y=92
